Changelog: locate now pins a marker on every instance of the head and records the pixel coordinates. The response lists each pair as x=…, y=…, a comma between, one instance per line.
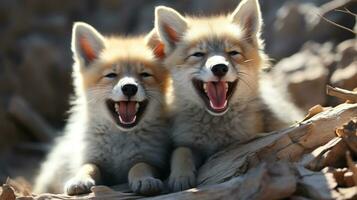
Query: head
x=214, y=61
x=120, y=78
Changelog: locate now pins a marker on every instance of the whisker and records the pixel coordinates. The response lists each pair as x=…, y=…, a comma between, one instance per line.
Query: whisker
x=249, y=60
x=195, y=73
x=242, y=73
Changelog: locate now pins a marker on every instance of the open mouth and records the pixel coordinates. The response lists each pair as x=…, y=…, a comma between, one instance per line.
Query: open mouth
x=215, y=94
x=126, y=114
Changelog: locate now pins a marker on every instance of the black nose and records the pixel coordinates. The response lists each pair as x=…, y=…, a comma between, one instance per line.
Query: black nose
x=129, y=89
x=219, y=70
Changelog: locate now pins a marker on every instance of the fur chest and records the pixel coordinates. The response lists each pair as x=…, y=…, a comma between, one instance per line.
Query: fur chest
x=198, y=129
x=115, y=152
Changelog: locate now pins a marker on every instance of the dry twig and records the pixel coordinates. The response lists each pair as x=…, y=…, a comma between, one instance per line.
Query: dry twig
x=338, y=25
x=341, y=93
x=335, y=4
x=347, y=12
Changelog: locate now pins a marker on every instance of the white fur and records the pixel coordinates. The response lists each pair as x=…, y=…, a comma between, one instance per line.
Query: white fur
x=92, y=136
x=172, y=19
x=95, y=39
x=193, y=125
x=206, y=73
x=198, y=134
x=248, y=13
x=117, y=92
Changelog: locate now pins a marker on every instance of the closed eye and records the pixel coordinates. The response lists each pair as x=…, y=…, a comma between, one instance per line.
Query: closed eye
x=233, y=53
x=198, y=54
x=111, y=75
x=145, y=74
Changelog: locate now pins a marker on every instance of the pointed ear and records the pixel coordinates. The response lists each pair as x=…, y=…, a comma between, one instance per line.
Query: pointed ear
x=248, y=16
x=87, y=42
x=170, y=26
x=152, y=39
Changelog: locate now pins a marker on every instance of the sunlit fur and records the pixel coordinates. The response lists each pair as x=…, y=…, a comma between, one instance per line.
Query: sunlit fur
x=248, y=114
x=250, y=111
x=92, y=136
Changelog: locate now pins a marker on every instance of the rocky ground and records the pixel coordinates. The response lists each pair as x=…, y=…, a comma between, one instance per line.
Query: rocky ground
x=35, y=59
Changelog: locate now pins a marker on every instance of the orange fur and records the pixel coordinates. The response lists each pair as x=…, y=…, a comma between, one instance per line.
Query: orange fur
x=160, y=50
x=87, y=49
x=121, y=52
x=172, y=34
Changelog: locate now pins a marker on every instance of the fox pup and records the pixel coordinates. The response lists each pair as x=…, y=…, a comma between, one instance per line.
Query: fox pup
x=116, y=130
x=218, y=87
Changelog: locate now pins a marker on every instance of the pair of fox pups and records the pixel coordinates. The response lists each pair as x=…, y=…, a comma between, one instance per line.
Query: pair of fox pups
x=118, y=130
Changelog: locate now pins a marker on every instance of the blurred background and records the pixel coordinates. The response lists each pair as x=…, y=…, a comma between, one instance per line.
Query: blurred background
x=35, y=58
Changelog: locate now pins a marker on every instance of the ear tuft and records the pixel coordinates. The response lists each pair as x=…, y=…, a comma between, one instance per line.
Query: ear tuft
x=170, y=26
x=159, y=50
x=87, y=43
x=171, y=33
x=153, y=41
x=248, y=16
x=87, y=48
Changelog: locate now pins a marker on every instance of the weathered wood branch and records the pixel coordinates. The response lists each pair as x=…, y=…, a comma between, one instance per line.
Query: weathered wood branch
x=341, y=93
x=262, y=182
x=331, y=154
x=321, y=185
x=289, y=144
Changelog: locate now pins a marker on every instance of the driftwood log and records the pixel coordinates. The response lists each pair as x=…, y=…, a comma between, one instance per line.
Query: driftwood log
x=271, y=167
x=289, y=144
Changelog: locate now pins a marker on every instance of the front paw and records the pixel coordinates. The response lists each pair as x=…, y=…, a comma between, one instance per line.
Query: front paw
x=79, y=185
x=182, y=181
x=146, y=186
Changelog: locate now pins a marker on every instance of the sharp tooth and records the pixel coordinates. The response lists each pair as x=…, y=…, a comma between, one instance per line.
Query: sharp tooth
x=137, y=107
x=226, y=85
x=116, y=107
x=205, y=86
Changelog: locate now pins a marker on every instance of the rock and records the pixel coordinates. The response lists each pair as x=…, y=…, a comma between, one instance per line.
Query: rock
x=297, y=22
x=304, y=75
x=345, y=77
x=290, y=26
x=345, y=74
x=348, y=52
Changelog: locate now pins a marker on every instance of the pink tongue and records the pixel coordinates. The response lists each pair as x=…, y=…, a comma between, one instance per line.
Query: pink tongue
x=127, y=112
x=216, y=93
